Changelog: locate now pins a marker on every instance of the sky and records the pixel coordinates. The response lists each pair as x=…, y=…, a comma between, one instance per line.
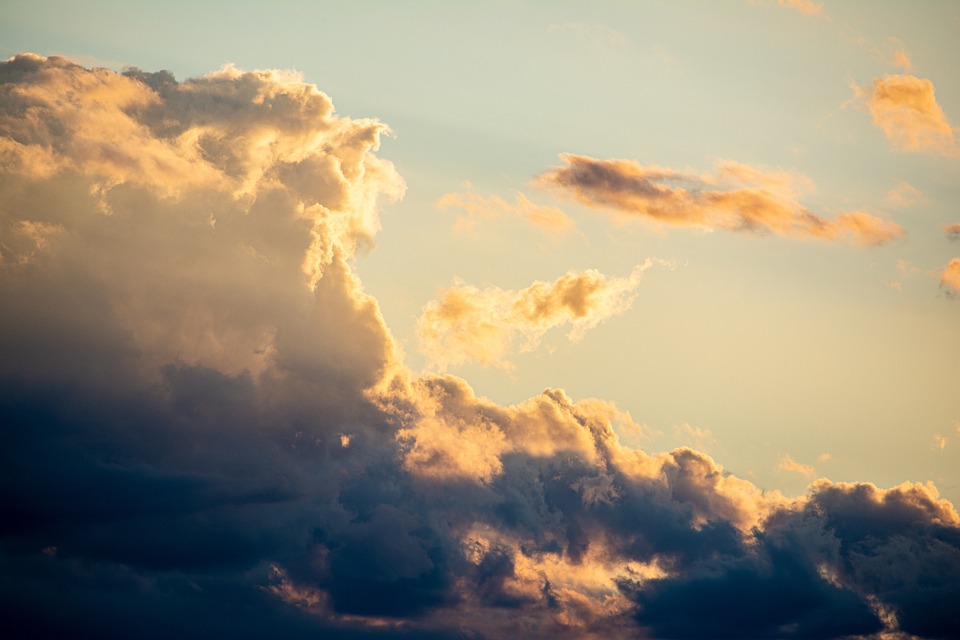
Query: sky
x=474, y=320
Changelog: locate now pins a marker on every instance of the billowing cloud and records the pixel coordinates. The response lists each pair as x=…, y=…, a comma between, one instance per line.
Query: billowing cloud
x=906, y=110
x=950, y=278
x=953, y=231
x=207, y=431
x=758, y=201
x=467, y=324
x=478, y=207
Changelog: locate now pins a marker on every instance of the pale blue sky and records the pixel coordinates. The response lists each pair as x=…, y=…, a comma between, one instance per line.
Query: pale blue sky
x=775, y=345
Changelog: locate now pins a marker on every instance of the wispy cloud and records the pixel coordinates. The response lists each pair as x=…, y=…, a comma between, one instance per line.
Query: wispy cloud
x=787, y=463
x=806, y=7
x=906, y=110
x=904, y=194
x=477, y=207
x=756, y=201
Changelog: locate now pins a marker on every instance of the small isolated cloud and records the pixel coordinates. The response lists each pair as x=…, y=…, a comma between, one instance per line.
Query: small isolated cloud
x=478, y=207
x=939, y=442
x=906, y=110
x=598, y=35
x=467, y=324
x=950, y=278
x=787, y=463
x=755, y=200
x=904, y=194
x=806, y=7
x=953, y=231
x=825, y=457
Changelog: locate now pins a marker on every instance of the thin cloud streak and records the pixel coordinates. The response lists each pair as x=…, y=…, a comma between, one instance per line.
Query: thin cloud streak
x=758, y=201
x=477, y=207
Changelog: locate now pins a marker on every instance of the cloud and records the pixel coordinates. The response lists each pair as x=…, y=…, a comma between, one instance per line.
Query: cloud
x=906, y=110
x=599, y=35
x=787, y=463
x=477, y=207
x=806, y=7
x=904, y=194
x=952, y=231
x=950, y=278
x=758, y=201
x=207, y=429
x=467, y=324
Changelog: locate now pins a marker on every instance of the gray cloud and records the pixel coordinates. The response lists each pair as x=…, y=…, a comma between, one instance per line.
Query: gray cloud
x=207, y=430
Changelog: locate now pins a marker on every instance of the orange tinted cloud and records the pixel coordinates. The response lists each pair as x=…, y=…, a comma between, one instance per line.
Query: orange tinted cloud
x=807, y=7
x=467, y=324
x=787, y=463
x=950, y=279
x=953, y=231
x=758, y=201
x=906, y=110
x=477, y=207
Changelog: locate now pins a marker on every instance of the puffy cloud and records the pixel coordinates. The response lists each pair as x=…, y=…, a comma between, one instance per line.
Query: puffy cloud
x=206, y=428
x=950, y=278
x=480, y=325
x=953, y=231
x=906, y=110
x=759, y=201
x=477, y=207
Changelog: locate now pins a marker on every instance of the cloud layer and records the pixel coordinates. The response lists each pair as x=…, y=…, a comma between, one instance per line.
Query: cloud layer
x=754, y=201
x=207, y=429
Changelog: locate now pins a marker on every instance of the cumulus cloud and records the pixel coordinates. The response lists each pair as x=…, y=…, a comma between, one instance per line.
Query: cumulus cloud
x=206, y=429
x=478, y=207
x=906, y=110
x=950, y=278
x=467, y=324
x=757, y=201
x=953, y=231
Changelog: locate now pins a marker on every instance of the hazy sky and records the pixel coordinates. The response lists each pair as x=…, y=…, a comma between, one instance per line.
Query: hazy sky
x=724, y=236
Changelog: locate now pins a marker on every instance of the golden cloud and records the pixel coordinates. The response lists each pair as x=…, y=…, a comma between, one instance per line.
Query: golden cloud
x=467, y=324
x=759, y=201
x=478, y=207
x=950, y=278
x=906, y=110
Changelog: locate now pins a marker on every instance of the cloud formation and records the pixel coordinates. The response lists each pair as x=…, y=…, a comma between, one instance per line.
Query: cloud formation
x=478, y=207
x=950, y=278
x=467, y=324
x=806, y=7
x=953, y=231
x=756, y=201
x=207, y=431
x=906, y=110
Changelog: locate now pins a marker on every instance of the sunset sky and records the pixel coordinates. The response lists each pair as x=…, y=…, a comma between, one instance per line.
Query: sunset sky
x=474, y=320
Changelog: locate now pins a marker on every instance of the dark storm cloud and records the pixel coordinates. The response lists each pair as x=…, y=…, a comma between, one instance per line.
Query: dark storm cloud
x=207, y=430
